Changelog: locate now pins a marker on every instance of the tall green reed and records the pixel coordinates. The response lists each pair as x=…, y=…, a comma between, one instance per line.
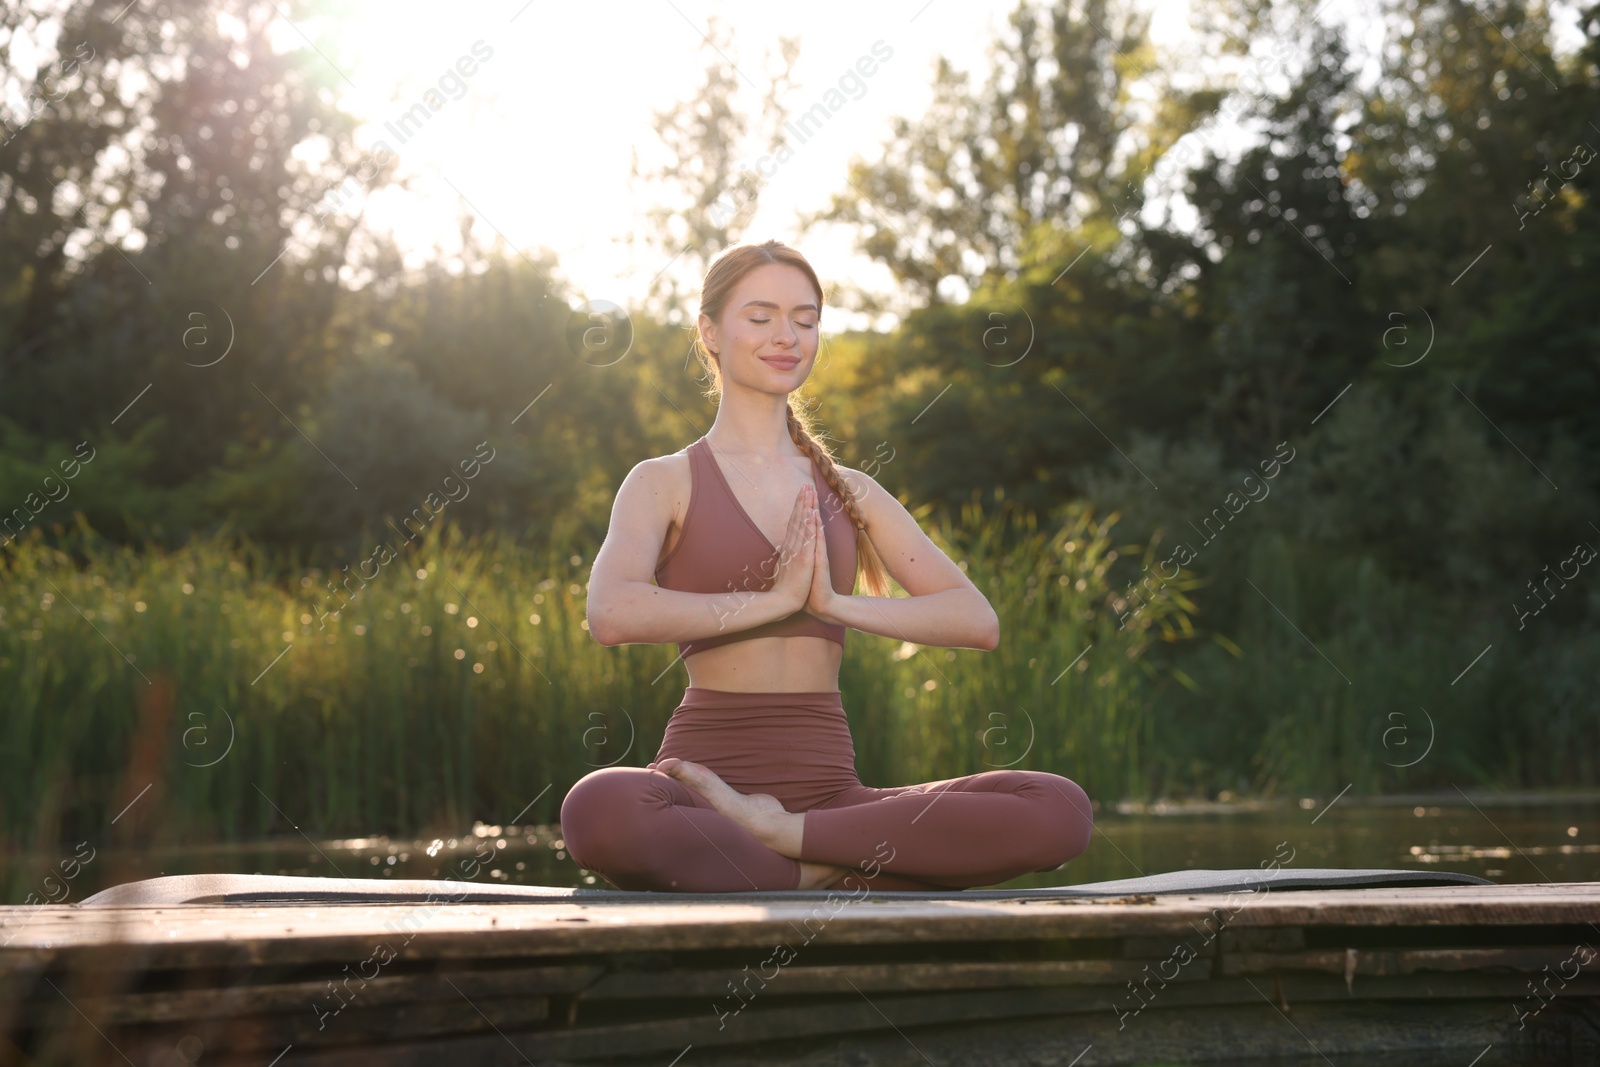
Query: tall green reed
x=459, y=682
x=1337, y=675
x=1066, y=690
x=202, y=694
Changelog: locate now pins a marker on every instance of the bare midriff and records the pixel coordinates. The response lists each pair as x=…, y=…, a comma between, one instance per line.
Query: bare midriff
x=763, y=664
x=768, y=665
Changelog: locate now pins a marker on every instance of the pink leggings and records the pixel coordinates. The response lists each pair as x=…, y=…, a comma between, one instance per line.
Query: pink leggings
x=643, y=829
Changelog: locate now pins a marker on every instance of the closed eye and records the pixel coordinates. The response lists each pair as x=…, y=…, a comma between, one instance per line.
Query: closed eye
x=802, y=325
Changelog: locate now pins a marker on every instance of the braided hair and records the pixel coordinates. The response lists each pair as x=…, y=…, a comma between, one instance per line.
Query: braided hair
x=726, y=271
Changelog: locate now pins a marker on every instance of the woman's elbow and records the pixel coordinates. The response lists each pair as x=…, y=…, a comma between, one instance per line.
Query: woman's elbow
x=599, y=624
x=989, y=639
x=984, y=632
x=992, y=640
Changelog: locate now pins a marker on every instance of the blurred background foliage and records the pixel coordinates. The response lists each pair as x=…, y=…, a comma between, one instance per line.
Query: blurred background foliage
x=1368, y=282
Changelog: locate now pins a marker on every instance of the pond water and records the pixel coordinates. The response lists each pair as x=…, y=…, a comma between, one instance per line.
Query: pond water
x=1507, y=838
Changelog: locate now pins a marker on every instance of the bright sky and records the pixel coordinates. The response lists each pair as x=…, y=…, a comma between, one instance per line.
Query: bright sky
x=538, y=138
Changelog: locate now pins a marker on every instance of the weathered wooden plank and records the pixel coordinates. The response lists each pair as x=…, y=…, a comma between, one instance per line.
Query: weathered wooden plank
x=615, y=1037
x=594, y=1036
x=395, y=989
x=1374, y=962
x=1362, y=1034
x=1560, y=904
x=869, y=977
x=1499, y=990
x=1234, y=1016
x=1264, y=939
x=1110, y=956
x=327, y=1025
x=191, y=935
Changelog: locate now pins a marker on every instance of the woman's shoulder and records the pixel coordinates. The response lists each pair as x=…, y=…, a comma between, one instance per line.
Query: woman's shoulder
x=672, y=461
x=680, y=458
x=670, y=471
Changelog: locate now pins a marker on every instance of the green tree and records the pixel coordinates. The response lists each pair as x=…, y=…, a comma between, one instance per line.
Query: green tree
x=1486, y=215
x=156, y=201
x=707, y=188
x=988, y=180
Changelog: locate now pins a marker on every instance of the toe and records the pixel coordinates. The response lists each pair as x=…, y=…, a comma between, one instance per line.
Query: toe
x=697, y=773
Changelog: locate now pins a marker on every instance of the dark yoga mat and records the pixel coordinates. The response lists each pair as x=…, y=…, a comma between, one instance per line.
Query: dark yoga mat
x=282, y=889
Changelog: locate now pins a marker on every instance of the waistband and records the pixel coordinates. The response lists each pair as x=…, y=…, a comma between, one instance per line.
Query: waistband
x=695, y=697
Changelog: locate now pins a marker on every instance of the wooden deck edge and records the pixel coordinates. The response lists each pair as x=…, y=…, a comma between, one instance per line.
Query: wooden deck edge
x=183, y=936
x=1246, y=1021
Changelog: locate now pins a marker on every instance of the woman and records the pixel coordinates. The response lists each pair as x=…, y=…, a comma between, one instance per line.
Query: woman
x=754, y=786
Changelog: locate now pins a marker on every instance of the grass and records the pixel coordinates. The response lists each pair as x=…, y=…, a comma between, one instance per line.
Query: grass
x=200, y=694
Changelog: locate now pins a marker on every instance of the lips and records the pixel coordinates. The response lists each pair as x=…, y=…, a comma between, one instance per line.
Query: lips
x=782, y=362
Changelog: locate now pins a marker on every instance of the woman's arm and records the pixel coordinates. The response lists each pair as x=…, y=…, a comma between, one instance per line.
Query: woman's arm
x=944, y=609
x=626, y=607
x=949, y=618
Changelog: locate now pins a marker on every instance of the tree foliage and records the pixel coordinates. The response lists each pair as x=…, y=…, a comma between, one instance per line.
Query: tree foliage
x=1393, y=275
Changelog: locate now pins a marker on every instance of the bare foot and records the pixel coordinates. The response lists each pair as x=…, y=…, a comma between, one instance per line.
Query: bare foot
x=760, y=813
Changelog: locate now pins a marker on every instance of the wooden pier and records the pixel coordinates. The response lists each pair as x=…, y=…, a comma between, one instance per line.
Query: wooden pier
x=1509, y=974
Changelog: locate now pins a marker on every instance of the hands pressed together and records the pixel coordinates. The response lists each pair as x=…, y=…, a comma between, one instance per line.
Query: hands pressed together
x=803, y=580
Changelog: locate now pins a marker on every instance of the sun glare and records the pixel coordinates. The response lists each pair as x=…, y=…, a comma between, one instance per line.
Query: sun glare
x=523, y=119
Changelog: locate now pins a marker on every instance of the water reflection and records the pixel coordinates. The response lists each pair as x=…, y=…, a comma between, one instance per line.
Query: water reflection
x=1510, y=840
x=1507, y=839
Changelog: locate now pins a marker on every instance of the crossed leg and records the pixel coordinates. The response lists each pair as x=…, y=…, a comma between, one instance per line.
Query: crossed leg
x=975, y=830
x=642, y=829
x=682, y=828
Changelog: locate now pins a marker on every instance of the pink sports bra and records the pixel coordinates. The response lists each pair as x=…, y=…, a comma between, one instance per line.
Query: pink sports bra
x=721, y=550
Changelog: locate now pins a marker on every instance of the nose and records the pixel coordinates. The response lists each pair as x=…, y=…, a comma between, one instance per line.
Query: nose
x=786, y=334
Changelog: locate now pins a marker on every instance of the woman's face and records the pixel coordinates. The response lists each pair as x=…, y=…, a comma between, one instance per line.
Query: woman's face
x=766, y=336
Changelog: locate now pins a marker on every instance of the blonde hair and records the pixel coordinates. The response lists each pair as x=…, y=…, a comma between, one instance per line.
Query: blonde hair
x=725, y=273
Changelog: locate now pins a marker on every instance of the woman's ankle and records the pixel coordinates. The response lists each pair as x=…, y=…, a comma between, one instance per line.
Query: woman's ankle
x=819, y=875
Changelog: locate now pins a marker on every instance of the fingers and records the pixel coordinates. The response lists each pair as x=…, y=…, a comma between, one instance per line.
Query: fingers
x=798, y=513
x=802, y=519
